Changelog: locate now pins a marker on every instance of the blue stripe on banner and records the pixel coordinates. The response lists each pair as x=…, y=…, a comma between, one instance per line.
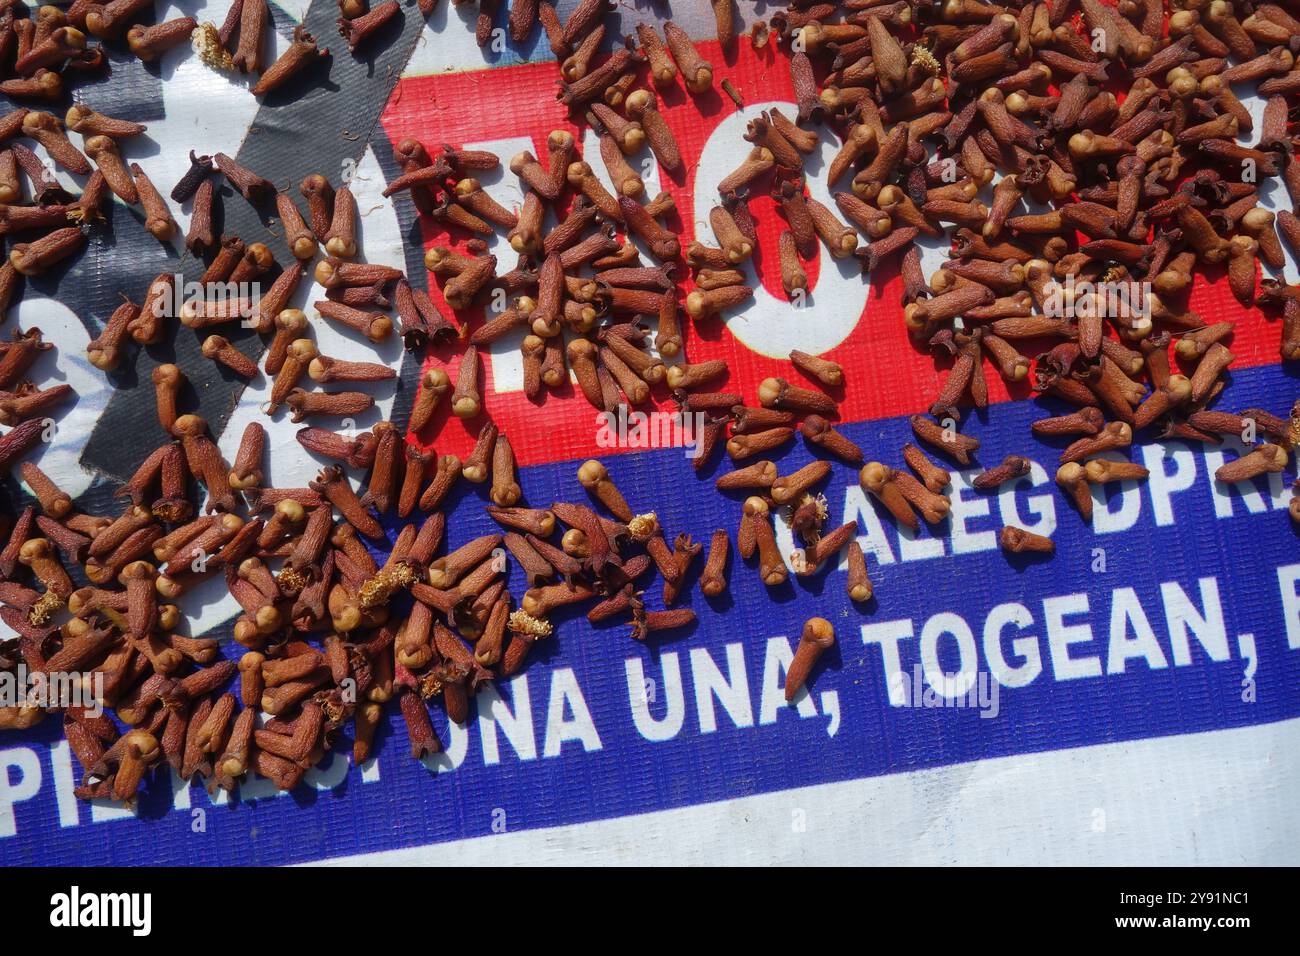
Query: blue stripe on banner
x=1187, y=620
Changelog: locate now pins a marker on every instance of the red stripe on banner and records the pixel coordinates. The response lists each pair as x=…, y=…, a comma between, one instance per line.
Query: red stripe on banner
x=888, y=374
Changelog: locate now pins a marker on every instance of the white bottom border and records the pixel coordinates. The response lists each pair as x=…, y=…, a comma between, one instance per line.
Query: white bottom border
x=1219, y=798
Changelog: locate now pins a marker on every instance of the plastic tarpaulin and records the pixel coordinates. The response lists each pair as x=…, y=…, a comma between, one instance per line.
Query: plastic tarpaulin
x=1135, y=698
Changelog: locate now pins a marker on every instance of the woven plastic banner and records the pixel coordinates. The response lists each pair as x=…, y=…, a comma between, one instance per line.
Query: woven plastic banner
x=1175, y=611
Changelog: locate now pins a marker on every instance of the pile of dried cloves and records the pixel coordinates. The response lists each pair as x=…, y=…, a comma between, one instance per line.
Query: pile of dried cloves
x=1108, y=137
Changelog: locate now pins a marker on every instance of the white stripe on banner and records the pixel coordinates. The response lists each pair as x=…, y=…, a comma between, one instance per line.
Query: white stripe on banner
x=1222, y=798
